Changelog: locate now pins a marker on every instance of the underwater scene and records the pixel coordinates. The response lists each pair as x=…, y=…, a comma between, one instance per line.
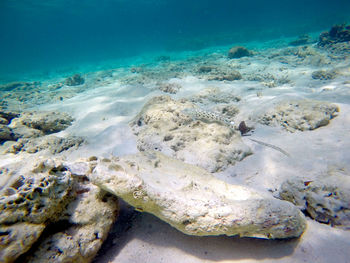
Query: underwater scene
x=174, y=131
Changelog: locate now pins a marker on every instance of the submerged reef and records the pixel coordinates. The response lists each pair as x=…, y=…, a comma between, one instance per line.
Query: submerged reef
x=337, y=34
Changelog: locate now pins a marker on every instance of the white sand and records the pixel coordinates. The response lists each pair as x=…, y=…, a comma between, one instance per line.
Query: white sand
x=102, y=115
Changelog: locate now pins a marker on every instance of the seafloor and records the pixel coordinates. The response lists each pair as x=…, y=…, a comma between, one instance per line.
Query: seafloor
x=294, y=101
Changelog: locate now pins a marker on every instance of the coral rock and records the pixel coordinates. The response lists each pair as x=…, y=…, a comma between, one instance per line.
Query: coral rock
x=164, y=125
x=300, y=115
x=238, y=52
x=75, y=80
x=326, y=199
x=193, y=201
x=323, y=74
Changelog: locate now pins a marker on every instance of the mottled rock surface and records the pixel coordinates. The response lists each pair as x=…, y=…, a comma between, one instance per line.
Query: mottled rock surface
x=300, y=115
x=324, y=74
x=238, y=52
x=46, y=122
x=326, y=199
x=29, y=199
x=75, y=80
x=60, y=211
x=193, y=201
x=163, y=125
x=33, y=131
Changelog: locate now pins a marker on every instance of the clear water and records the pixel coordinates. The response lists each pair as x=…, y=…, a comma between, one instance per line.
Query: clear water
x=41, y=38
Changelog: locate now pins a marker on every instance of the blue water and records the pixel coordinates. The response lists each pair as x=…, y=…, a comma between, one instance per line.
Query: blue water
x=50, y=36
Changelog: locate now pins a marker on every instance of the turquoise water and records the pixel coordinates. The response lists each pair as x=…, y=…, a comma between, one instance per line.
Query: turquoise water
x=41, y=38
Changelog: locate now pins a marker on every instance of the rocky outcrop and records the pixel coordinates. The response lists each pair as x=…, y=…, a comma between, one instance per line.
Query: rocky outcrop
x=301, y=40
x=75, y=80
x=337, y=34
x=33, y=132
x=324, y=74
x=325, y=199
x=45, y=122
x=171, y=88
x=193, y=201
x=300, y=115
x=238, y=52
x=165, y=125
x=54, y=206
x=49, y=143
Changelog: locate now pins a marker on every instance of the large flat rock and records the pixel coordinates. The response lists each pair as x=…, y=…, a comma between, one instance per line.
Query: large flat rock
x=193, y=201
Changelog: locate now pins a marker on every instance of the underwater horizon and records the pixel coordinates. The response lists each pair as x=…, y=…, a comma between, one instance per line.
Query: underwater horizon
x=39, y=39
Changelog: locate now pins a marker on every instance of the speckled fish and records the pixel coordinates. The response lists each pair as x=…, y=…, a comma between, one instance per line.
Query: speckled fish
x=207, y=116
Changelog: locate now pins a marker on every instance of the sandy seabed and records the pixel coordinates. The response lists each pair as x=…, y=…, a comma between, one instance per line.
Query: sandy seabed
x=111, y=99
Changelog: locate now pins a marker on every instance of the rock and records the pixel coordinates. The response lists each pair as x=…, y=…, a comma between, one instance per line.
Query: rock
x=302, y=40
x=193, y=201
x=19, y=86
x=47, y=122
x=337, y=34
x=89, y=219
x=164, y=125
x=35, y=196
x=75, y=214
x=171, y=88
x=3, y=121
x=28, y=201
x=229, y=76
x=238, y=52
x=75, y=80
x=17, y=239
x=300, y=115
x=324, y=75
x=325, y=199
x=6, y=134
x=29, y=129
x=214, y=95
x=22, y=131
x=52, y=143
x=205, y=69
x=8, y=116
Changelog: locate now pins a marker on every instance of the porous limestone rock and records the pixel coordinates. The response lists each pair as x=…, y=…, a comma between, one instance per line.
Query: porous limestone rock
x=326, y=198
x=35, y=195
x=87, y=221
x=164, y=125
x=300, y=115
x=46, y=122
x=17, y=239
x=56, y=202
x=29, y=199
x=51, y=143
x=193, y=201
